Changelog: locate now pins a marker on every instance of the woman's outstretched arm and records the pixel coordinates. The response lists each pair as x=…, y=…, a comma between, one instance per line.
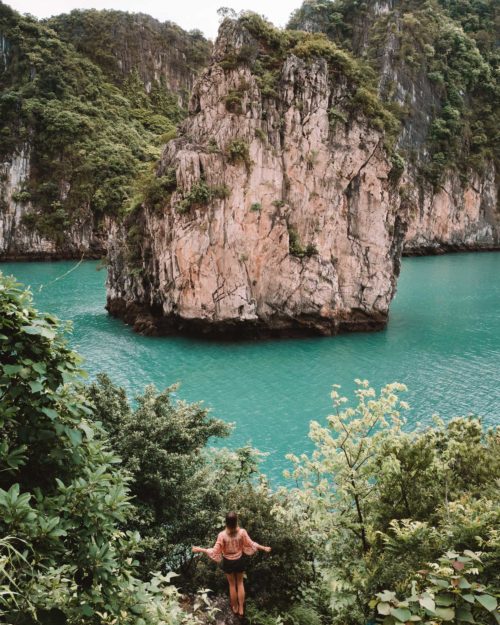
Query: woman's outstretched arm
x=250, y=546
x=215, y=553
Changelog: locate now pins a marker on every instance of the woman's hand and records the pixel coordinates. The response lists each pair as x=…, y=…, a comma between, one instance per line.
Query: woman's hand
x=197, y=550
x=266, y=549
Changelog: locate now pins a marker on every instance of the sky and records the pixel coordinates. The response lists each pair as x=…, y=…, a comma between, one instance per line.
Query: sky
x=188, y=14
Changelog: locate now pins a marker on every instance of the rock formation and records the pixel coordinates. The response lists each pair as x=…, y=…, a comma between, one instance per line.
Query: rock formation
x=421, y=56
x=284, y=218
x=18, y=241
x=85, y=100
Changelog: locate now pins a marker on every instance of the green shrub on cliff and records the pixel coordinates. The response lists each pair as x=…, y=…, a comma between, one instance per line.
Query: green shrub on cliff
x=64, y=557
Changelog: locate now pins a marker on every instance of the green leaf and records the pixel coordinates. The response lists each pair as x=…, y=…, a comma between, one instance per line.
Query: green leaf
x=463, y=583
x=487, y=601
x=445, y=599
x=50, y=413
x=384, y=608
x=465, y=615
x=35, y=386
x=447, y=614
x=428, y=603
x=75, y=436
x=12, y=369
x=401, y=614
x=39, y=331
x=472, y=554
x=89, y=431
x=468, y=597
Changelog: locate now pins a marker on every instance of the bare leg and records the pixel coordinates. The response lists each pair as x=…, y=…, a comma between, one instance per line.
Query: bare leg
x=233, y=594
x=241, y=593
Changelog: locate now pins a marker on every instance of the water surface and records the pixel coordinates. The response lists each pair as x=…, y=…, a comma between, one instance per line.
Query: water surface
x=443, y=341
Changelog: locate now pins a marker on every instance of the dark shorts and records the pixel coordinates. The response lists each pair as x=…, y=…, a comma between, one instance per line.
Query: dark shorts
x=234, y=566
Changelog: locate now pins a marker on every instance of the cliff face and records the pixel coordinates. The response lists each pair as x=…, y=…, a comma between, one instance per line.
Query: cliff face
x=123, y=44
x=81, y=126
x=435, y=66
x=19, y=241
x=457, y=217
x=280, y=221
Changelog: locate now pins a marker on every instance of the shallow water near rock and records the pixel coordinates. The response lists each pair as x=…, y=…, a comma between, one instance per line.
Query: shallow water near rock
x=443, y=341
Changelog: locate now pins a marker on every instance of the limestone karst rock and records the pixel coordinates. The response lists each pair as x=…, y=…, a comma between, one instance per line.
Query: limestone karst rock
x=284, y=217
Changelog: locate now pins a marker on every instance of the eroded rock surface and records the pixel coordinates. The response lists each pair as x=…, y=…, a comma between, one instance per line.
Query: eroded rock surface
x=309, y=236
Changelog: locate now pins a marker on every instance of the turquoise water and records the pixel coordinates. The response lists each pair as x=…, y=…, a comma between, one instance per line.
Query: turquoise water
x=443, y=341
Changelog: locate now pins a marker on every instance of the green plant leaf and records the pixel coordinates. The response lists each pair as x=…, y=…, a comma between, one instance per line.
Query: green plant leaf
x=447, y=614
x=487, y=601
x=445, y=599
x=465, y=615
x=401, y=614
x=428, y=603
x=384, y=608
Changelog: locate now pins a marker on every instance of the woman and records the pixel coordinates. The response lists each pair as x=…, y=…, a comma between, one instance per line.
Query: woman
x=230, y=546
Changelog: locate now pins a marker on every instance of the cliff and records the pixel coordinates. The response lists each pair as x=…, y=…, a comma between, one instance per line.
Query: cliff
x=280, y=213
x=435, y=65
x=77, y=136
x=133, y=44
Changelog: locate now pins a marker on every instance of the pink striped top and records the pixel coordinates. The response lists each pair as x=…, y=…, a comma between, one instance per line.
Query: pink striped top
x=232, y=546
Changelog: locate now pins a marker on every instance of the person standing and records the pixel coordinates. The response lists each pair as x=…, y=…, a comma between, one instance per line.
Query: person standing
x=232, y=544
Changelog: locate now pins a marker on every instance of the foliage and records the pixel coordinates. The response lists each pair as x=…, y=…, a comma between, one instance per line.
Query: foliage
x=63, y=496
x=90, y=133
x=201, y=194
x=237, y=150
x=183, y=489
x=444, y=593
x=381, y=503
x=275, y=45
x=234, y=101
x=161, y=442
x=295, y=246
x=109, y=37
x=447, y=44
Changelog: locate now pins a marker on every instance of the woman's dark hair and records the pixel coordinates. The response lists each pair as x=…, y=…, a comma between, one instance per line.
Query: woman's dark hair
x=231, y=521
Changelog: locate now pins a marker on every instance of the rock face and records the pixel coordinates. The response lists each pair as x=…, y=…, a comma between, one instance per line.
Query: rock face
x=18, y=241
x=80, y=118
x=280, y=224
x=454, y=218
x=126, y=43
x=462, y=211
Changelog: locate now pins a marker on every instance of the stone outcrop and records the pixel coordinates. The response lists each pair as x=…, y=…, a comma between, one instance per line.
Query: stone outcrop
x=125, y=43
x=463, y=212
x=19, y=241
x=456, y=217
x=281, y=222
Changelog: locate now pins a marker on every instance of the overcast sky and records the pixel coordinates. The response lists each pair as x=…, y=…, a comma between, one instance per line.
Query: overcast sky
x=189, y=14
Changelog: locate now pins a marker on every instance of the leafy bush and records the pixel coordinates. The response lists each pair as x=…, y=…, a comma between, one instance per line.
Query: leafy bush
x=234, y=101
x=63, y=495
x=444, y=593
x=381, y=503
x=295, y=246
x=201, y=194
x=237, y=150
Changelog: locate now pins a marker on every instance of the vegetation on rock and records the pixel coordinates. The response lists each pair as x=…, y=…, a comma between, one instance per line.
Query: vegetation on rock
x=451, y=45
x=88, y=133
